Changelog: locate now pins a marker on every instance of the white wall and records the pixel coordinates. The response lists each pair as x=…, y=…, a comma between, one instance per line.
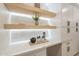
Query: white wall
x=8, y=18
x=3, y=15
x=23, y=35
x=54, y=7
x=4, y=34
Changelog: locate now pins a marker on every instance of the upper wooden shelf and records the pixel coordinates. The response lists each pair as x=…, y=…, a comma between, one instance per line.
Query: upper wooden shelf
x=23, y=8
x=28, y=26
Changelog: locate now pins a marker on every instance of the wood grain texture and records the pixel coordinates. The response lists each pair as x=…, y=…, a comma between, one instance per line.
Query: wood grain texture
x=26, y=9
x=28, y=26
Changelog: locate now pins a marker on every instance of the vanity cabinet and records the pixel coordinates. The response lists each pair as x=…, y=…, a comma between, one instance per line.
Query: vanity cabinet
x=54, y=50
x=63, y=49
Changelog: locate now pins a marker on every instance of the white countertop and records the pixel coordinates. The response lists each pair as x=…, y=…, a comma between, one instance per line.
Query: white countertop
x=25, y=47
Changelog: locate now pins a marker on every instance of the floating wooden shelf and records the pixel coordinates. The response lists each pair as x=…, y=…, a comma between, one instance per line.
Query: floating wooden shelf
x=23, y=8
x=28, y=26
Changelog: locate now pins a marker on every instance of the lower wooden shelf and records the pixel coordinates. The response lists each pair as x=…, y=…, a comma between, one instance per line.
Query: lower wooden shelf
x=28, y=26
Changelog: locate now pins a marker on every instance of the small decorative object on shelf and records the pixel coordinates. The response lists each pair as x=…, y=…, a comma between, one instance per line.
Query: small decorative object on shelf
x=33, y=40
x=36, y=19
x=44, y=35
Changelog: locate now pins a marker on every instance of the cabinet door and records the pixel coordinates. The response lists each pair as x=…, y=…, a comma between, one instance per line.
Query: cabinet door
x=76, y=33
x=65, y=34
x=66, y=15
x=54, y=50
x=75, y=41
x=75, y=13
x=66, y=48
